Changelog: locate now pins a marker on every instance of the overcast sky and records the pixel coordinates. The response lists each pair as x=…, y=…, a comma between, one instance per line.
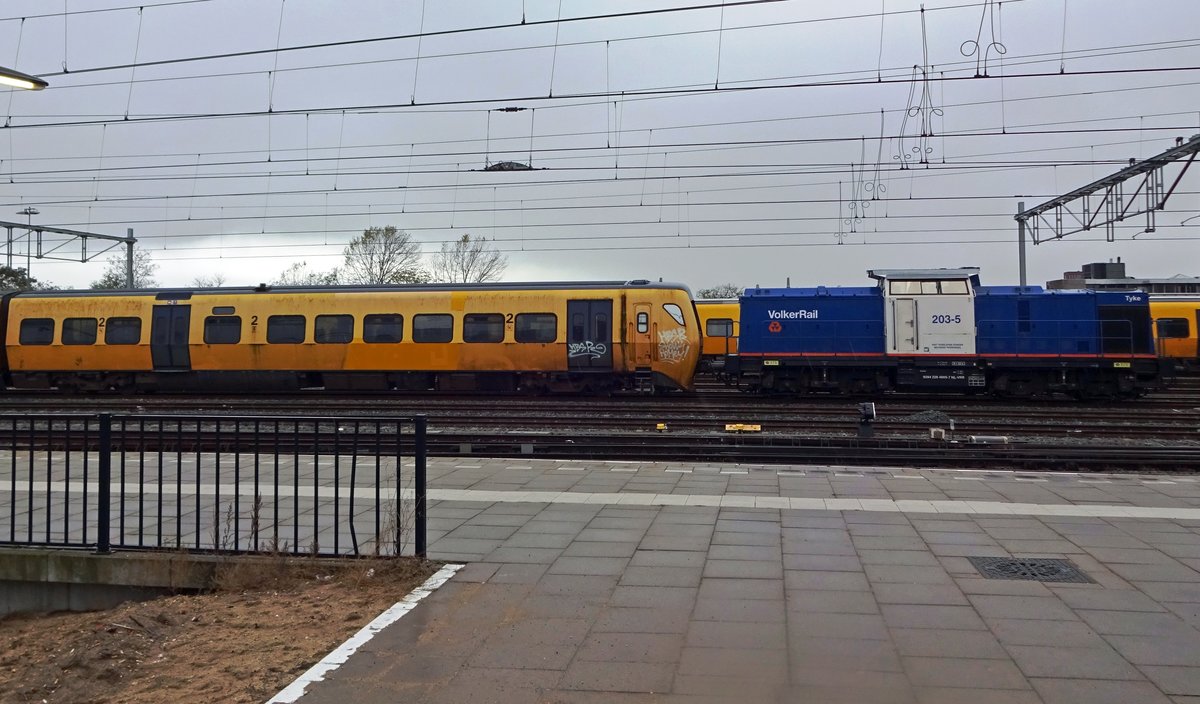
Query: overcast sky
x=689, y=145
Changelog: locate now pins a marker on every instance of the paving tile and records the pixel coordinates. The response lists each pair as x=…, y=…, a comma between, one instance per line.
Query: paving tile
x=1137, y=623
x=632, y=647
x=618, y=676
x=898, y=557
x=844, y=654
x=1032, y=607
x=743, y=569
x=741, y=589
x=621, y=619
x=921, y=616
x=961, y=695
x=588, y=565
x=477, y=684
x=737, y=610
x=1106, y=599
x=815, y=624
x=831, y=602
x=1032, y=632
x=1010, y=587
x=929, y=642
x=1075, y=691
x=1102, y=663
x=744, y=552
x=944, y=594
x=767, y=665
x=575, y=585
x=820, y=580
x=907, y=574
x=963, y=672
x=662, y=576
x=727, y=634
x=1179, y=650
x=593, y=549
x=654, y=597
x=1174, y=680
x=824, y=563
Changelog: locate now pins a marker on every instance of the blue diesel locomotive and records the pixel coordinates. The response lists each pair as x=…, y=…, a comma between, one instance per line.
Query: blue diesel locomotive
x=939, y=330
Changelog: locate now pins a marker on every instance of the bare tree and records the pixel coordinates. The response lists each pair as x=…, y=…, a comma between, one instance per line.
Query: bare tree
x=298, y=274
x=114, y=276
x=469, y=260
x=209, y=281
x=720, y=291
x=382, y=255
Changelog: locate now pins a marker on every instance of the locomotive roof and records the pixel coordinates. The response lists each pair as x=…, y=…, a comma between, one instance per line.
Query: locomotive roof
x=966, y=272
x=394, y=288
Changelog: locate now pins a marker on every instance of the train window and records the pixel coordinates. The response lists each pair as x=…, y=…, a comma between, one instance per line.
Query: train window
x=37, y=331
x=123, y=331
x=285, y=329
x=578, y=330
x=483, y=327
x=536, y=327
x=904, y=287
x=675, y=312
x=224, y=330
x=79, y=331
x=224, y=310
x=1173, y=327
x=601, y=328
x=383, y=327
x=333, y=329
x=433, y=328
x=954, y=287
x=929, y=287
x=643, y=322
x=719, y=327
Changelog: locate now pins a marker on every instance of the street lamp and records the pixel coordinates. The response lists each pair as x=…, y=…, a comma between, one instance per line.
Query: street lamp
x=16, y=79
x=29, y=212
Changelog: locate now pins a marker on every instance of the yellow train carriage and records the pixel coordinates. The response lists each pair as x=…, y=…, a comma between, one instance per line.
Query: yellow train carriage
x=502, y=337
x=719, y=326
x=1176, y=323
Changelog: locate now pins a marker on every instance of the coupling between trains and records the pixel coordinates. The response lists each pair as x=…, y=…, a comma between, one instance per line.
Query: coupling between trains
x=928, y=330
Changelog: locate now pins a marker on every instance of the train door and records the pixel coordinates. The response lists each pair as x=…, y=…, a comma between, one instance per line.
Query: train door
x=904, y=326
x=589, y=335
x=169, y=338
x=641, y=337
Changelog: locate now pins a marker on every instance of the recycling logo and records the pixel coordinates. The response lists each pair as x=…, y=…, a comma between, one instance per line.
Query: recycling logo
x=775, y=326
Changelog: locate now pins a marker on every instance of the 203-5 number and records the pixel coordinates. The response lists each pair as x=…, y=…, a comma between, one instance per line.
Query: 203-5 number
x=947, y=319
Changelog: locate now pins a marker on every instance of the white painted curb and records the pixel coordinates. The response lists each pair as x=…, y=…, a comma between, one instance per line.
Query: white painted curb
x=342, y=653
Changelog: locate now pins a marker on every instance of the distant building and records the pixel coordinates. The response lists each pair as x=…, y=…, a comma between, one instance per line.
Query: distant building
x=1111, y=276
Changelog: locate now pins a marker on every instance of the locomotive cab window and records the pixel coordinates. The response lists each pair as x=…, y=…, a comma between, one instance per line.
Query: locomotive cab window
x=37, y=331
x=333, y=329
x=483, y=327
x=675, y=312
x=1173, y=327
x=643, y=322
x=285, y=329
x=954, y=287
x=536, y=327
x=123, y=331
x=222, y=330
x=433, y=327
x=79, y=331
x=383, y=328
x=719, y=327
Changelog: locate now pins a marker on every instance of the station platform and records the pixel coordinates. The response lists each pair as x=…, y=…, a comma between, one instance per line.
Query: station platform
x=699, y=583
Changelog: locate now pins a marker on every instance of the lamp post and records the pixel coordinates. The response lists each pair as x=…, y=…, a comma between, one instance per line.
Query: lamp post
x=16, y=79
x=29, y=212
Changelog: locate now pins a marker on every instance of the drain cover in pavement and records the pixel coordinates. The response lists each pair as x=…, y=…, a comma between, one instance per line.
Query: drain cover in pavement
x=1032, y=569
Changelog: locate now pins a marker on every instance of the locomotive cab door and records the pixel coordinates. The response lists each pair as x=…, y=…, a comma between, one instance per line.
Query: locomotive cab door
x=169, y=338
x=589, y=335
x=904, y=329
x=641, y=338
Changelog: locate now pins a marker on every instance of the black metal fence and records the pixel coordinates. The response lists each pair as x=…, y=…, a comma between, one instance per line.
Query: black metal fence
x=296, y=485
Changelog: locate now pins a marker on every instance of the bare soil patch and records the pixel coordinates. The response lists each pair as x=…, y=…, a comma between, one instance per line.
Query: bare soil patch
x=261, y=627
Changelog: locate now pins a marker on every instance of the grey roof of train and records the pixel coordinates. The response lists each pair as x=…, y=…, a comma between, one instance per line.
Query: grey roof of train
x=959, y=273
x=397, y=288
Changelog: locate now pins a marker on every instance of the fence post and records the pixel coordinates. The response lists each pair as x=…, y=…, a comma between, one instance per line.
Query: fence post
x=419, y=450
x=104, y=495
